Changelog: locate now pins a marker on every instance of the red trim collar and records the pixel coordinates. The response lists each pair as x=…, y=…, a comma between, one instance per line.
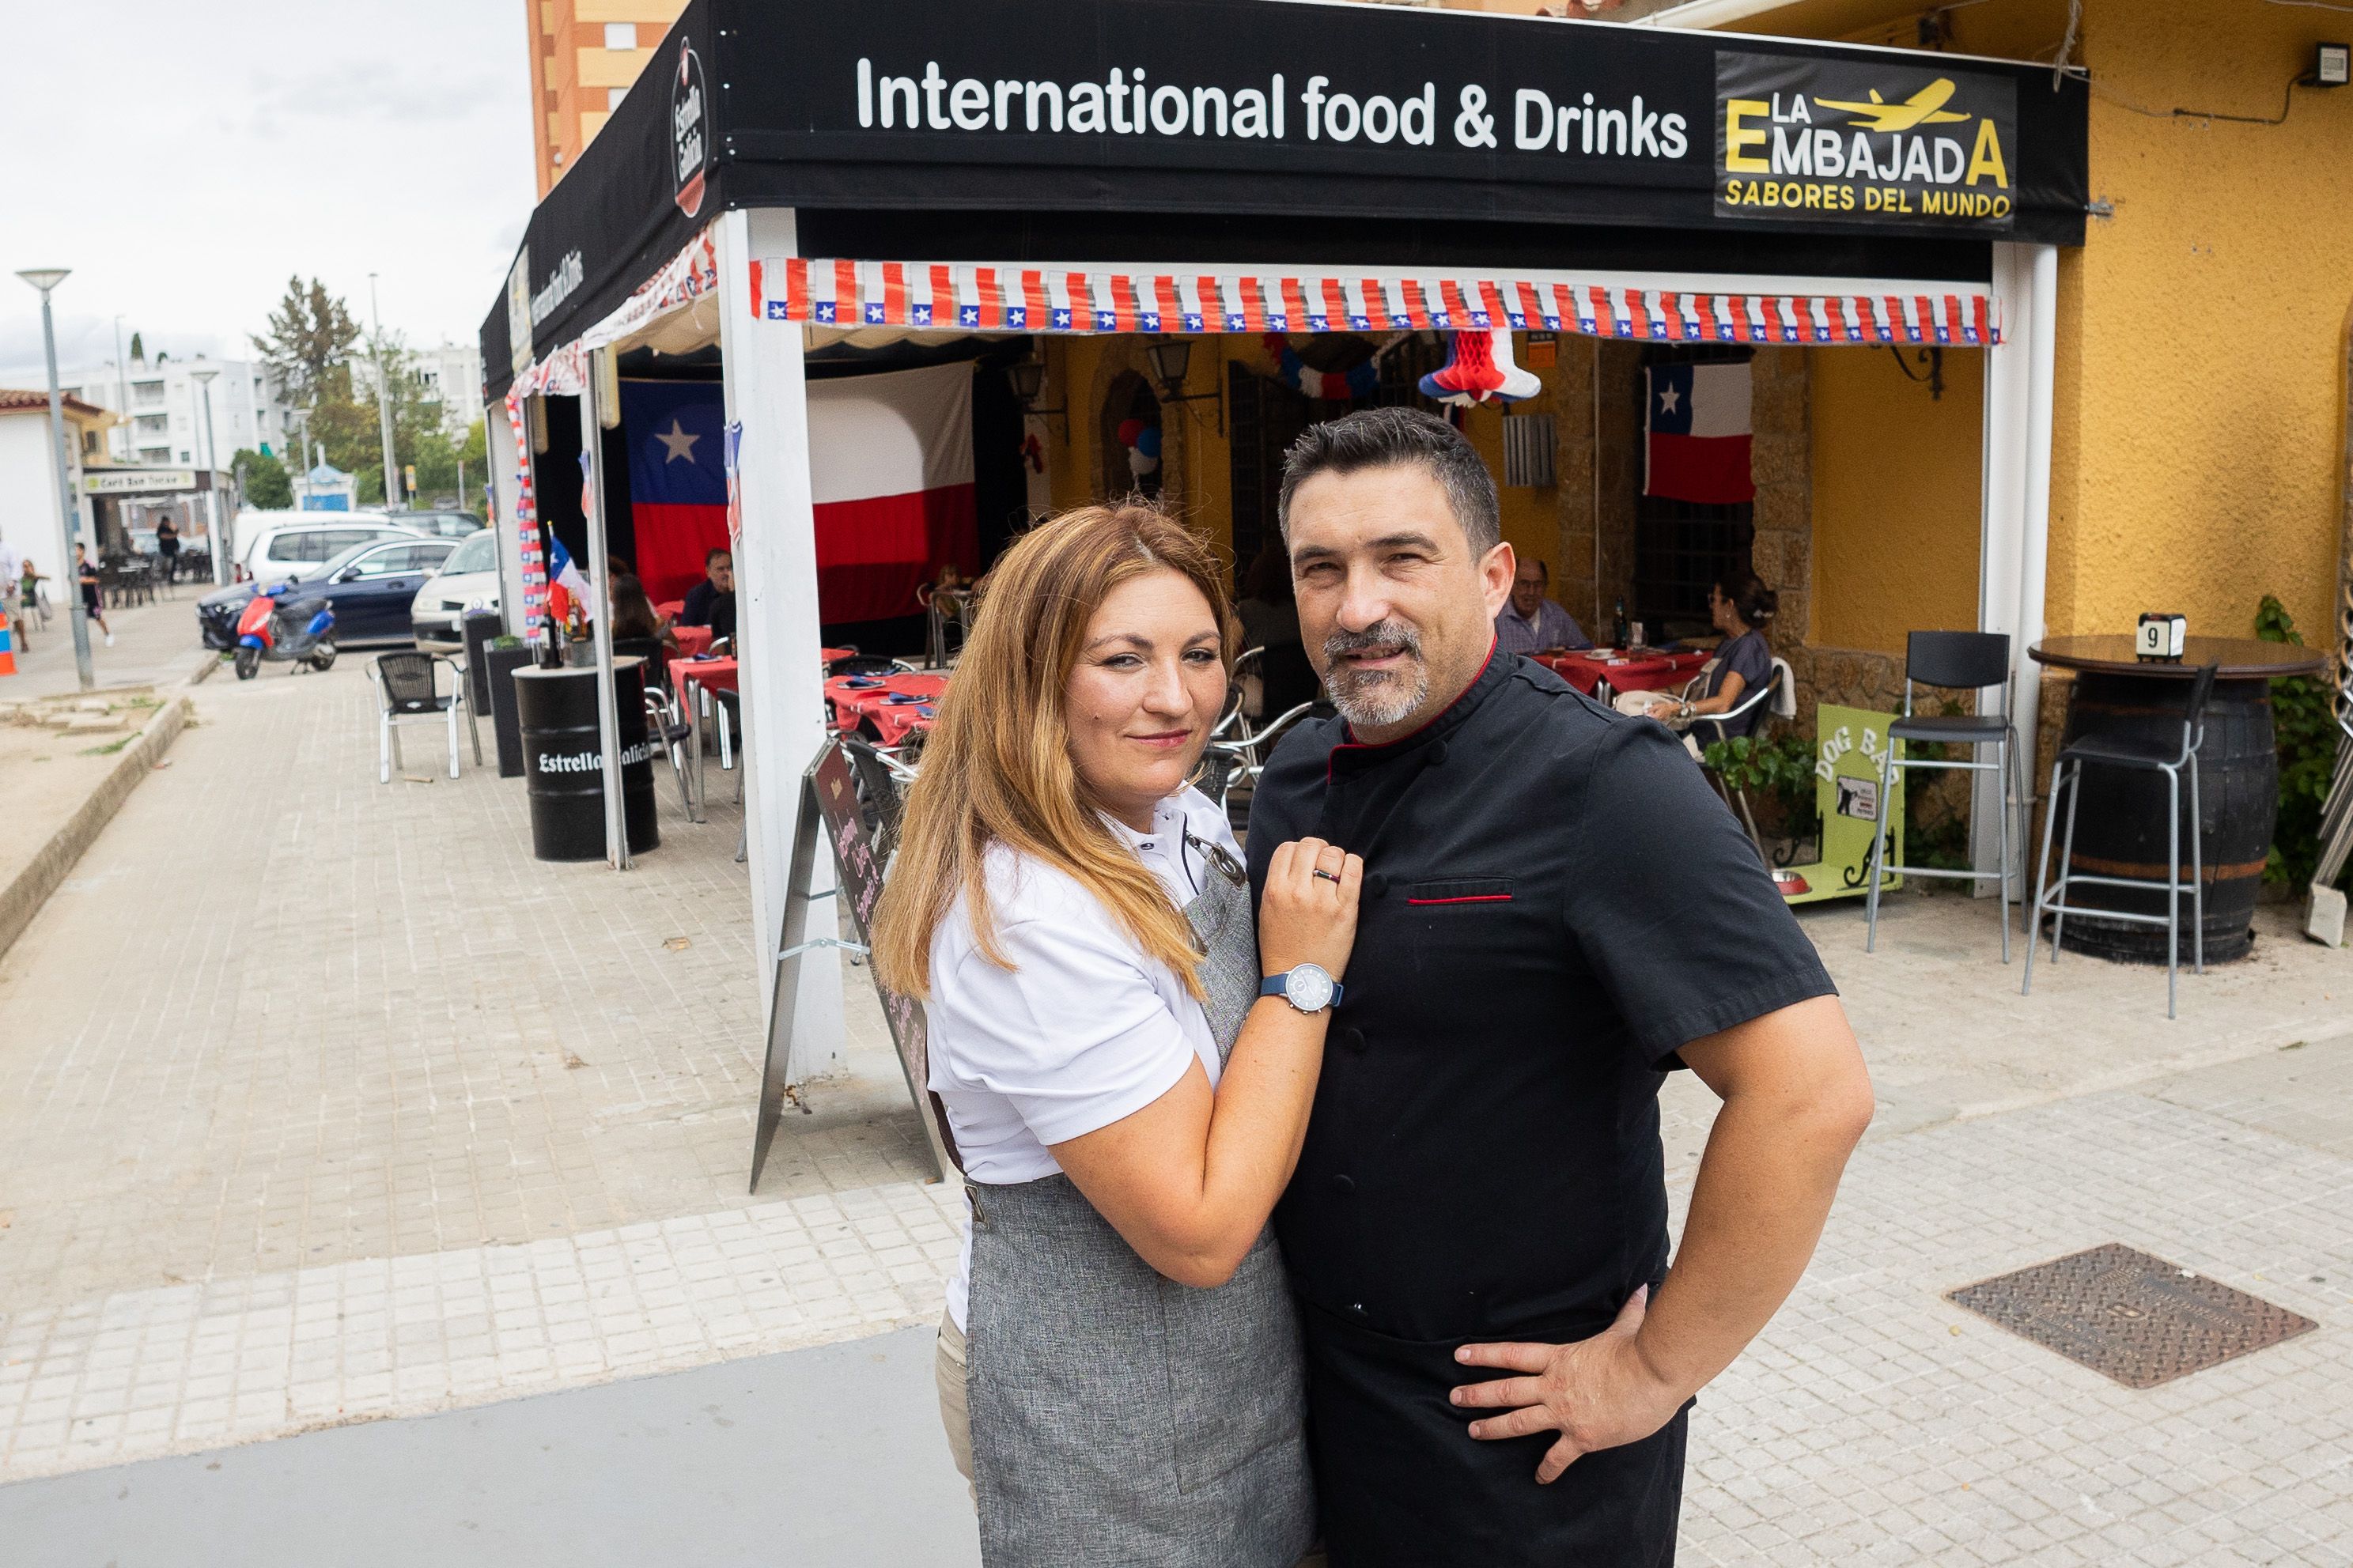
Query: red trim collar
x=1348, y=730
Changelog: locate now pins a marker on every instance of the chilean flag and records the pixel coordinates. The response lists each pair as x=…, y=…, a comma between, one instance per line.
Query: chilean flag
x=677, y=480
x=891, y=472
x=1696, y=428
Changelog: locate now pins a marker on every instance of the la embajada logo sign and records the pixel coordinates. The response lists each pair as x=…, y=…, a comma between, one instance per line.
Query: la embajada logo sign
x=1860, y=141
x=689, y=144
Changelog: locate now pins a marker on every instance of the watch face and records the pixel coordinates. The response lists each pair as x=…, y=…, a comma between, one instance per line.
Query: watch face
x=1309, y=988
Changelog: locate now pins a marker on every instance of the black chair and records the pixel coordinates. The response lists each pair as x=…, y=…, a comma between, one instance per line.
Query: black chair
x=2131, y=752
x=665, y=726
x=409, y=688
x=731, y=708
x=1952, y=661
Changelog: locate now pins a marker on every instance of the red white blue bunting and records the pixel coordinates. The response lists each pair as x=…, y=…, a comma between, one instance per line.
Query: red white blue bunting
x=943, y=296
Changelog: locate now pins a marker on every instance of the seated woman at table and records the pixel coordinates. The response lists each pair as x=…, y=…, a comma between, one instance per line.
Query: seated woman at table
x=634, y=617
x=1741, y=606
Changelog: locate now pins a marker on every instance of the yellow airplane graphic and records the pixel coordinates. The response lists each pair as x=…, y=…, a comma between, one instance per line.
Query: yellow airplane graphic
x=1925, y=106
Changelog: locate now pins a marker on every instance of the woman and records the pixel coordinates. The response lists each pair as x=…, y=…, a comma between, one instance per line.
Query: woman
x=634, y=616
x=1741, y=606
x=1119, y=1341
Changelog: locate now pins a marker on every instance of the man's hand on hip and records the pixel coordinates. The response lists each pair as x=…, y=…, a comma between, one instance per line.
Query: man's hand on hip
x=1597, y=1394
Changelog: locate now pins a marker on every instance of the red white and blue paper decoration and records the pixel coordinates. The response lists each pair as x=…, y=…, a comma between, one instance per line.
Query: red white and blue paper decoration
x=1478, y=368
x=1331, y=385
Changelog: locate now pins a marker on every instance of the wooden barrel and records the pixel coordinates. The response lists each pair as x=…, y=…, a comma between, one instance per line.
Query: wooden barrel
x=2120, y=823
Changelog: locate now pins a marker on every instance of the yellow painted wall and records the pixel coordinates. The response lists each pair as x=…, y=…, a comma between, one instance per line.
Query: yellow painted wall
x=2196, y=443
x=1895, y=485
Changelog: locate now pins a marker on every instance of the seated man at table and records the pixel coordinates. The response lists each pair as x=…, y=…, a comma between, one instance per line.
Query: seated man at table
x=1531, y=623
x=712, y=602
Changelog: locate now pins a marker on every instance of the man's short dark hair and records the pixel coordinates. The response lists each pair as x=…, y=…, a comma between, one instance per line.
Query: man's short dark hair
x=712, y=555
x=1386, y=437
x=1543, y=572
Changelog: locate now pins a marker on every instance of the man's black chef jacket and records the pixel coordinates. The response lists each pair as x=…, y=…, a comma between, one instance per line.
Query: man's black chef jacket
x=1554, y=900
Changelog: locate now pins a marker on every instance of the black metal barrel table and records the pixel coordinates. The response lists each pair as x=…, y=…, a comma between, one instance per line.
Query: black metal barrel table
x=2120, y=825
x=564, y=767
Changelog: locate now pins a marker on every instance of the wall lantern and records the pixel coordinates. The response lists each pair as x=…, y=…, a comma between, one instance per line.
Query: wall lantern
x=1170, y=358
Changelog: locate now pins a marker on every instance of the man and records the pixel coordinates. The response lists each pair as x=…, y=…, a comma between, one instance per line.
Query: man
x=167, y=545
x=1532, y=623
x=712, y=602
x=1557, y=911
x=94, y=602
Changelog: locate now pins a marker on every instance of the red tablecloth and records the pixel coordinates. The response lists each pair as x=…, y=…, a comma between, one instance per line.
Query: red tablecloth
x=691, y=640
x=826, y=656
x=1648, y=672
x=672, y=609
x=710, y=674
x=852, y=702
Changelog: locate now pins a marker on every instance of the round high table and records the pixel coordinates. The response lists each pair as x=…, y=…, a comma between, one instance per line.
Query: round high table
x=2120, y=825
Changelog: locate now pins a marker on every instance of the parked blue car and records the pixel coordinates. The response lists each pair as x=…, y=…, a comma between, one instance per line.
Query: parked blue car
x=369, y=585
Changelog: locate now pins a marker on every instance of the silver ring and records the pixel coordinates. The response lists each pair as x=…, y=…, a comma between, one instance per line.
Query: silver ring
x=1327, y=876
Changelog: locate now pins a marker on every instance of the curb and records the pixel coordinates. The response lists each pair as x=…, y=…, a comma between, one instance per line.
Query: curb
x=22, y=899
x=207, y=662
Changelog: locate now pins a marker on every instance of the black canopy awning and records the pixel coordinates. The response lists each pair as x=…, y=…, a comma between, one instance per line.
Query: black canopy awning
x=1183, y=131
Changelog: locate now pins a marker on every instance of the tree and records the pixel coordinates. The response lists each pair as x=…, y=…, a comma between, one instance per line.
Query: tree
x=308, y=346
x=261, y=480
x=138, y=350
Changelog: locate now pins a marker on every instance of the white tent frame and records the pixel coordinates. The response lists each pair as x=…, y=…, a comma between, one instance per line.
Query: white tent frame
x=766, y=389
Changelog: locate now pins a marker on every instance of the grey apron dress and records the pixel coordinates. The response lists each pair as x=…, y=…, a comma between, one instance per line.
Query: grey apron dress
x=1119, y=1418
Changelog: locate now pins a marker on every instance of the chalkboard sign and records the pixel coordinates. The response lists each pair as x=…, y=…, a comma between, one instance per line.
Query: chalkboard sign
x=830, y=810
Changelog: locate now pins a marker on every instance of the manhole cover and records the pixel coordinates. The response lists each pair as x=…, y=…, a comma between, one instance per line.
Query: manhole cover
x=2128, y=1316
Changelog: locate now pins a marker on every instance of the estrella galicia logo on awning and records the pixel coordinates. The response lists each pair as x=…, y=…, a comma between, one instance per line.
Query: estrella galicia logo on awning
x=690, y=144
x=1859, y=142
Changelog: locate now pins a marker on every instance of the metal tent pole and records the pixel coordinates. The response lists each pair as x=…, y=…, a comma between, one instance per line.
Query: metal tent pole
x=600, y=617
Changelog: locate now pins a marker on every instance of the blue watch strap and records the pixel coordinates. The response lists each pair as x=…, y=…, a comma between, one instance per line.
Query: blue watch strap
x=1280, y=986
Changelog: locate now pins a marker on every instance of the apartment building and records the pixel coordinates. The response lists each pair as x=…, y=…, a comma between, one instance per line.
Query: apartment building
x=164, y=401
x=584, y=55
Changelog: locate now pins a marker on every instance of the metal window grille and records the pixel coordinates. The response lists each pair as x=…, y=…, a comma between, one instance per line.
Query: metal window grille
x=1528, y=444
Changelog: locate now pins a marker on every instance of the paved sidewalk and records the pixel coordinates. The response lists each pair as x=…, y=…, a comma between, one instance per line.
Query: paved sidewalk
x=320, y=1101
x=802, y=1458
x=155, y=645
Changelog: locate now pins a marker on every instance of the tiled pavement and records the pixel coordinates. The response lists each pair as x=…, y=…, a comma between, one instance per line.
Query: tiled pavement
x=321, y=1100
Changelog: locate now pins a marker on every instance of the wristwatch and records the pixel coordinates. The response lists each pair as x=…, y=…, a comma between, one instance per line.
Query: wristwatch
x=1307, y=988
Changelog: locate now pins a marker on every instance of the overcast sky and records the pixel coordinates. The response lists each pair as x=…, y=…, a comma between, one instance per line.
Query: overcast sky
x=185, y=157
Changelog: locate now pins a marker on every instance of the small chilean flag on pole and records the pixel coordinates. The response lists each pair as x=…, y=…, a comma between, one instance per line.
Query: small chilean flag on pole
x=1696, y=429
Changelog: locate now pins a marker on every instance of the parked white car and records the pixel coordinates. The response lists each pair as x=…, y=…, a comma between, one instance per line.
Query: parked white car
x=280, y=550
x=469, y=580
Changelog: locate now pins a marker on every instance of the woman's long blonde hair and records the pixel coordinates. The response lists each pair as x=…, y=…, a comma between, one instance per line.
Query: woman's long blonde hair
x=998, y=767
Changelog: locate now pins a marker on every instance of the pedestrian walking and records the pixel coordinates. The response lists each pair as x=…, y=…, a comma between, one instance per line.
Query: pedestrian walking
x=1557, y=912
x=92, y=603
x=1125, y=1085
x=167, y=545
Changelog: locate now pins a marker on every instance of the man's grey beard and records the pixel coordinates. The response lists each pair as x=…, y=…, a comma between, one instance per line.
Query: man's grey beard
x=1375, y=699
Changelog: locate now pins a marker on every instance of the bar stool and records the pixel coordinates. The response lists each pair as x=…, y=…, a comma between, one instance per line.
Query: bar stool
x=2125, y=751
x=1953, y=662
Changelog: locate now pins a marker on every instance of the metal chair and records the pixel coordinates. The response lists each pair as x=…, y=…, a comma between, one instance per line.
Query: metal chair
x=1777, y=699
x=1951, y=661
x=883, y=787
x=408, y=689
x=2128, y=752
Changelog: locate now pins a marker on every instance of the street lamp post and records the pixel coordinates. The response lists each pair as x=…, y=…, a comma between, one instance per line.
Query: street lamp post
x=122, y=390
x=68, y=513
x=204, y=380
x=383, y=395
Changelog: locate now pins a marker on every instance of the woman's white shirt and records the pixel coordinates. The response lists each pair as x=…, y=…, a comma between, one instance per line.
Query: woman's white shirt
x=1085, y=1030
